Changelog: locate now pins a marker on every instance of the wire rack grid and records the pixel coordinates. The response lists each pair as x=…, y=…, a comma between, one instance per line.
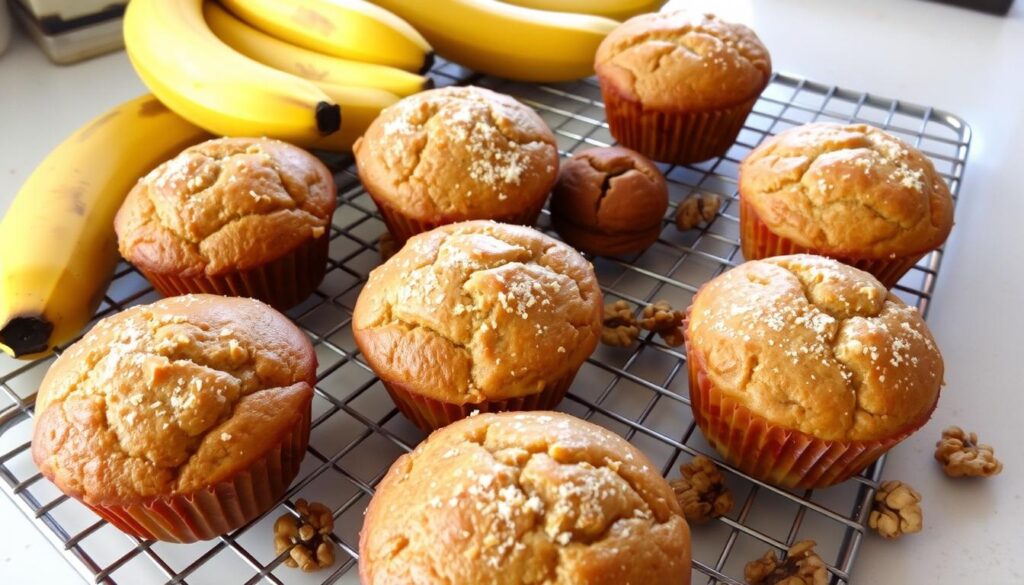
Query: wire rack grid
x=640, y=392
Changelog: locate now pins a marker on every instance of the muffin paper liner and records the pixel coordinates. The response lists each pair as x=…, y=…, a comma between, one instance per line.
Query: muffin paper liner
x=281, y=283
x=590, y=240
x=758, y=241
x=430, y=414
x=220, y=508
x=673, y=137
x=403, y=227
x=770, y=452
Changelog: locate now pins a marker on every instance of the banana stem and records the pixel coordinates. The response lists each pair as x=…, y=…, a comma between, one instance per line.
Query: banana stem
x=26, y=335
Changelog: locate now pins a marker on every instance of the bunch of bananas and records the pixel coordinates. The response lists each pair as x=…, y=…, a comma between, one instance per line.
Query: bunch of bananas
x=311, y=72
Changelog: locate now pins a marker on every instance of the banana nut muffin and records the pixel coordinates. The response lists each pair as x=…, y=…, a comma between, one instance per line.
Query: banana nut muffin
x=804, y=370
x=180, y=420
x=518, y=498
x=677, y=86
x=609, y=201
x=478, y=316
x=455, y=154
x=232, y=216
x=847, y=191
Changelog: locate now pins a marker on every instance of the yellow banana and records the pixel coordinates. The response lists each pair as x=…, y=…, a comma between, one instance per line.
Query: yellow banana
x=208, y=83
x=58, y=236
x=317, y=67
x=361, y=105
x=614, y=9
x=351, y=29
x=506, y=40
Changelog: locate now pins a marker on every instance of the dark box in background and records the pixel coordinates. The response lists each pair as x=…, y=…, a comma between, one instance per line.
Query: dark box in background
x=1000, y=7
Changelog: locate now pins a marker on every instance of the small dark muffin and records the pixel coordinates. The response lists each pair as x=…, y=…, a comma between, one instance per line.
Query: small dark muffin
x=609, y=201
x=233, y=216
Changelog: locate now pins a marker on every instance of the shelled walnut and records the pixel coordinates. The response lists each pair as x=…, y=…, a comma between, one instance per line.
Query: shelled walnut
x=662, y=319
x=701, y=491
x=620, y=328
x=962, y=456
x=802, y=566
x=306, y=537
x=696, y=209
x=896, y=511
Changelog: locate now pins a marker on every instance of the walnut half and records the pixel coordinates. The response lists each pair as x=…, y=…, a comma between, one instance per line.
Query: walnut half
x=696, y=209
x=620, y=329
x=961, y=455
x=896, y=511
x=662, y=319
x=701, y=491
x=802, y=566
x=306, y=538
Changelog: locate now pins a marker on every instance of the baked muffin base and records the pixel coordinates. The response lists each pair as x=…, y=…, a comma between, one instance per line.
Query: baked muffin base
x=430, y=414
x=674, y=137
x=587, y=239
x=220, y=508
x=772, y=453
x=757, y=241
x=403, y=226
x=282, y=284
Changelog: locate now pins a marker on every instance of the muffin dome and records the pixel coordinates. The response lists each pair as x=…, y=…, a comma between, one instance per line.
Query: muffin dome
x=515, y=498
x=455, y=154
x=479, y=311
x=846, y=190
x=160, y=404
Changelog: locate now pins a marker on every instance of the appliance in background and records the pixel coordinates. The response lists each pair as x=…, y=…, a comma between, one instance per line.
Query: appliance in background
x=72, y=30
x=5, y=27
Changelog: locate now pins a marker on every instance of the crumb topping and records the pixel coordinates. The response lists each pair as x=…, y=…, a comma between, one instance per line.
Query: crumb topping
x=849, y=188
x=505, y=304
x=522, y=488
x=211, y=207
x=456, y=149
x=154, y=393
x=817, y=346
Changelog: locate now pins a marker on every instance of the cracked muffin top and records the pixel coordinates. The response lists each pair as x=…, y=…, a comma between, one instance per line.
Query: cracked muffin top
x=533, y=497
x=847, y=190
x=814, y=345
x=610, y=190
x=169, y=398
x=479, y=311
x=684, y=60
x=224, y=205
x=458, y=153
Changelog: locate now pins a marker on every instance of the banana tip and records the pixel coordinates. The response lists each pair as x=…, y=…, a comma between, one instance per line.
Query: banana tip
x=26, y=335
x=328, y=117
x=428, y=62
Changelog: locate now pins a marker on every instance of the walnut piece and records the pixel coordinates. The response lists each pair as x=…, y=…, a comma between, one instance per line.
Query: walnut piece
x=306, y=538
x=662, y=319
x=896, y=511
x=388, y=246
x=701, y=491
x=802, y=566
x=620, y=328
x=962, y=456
x=696, y=209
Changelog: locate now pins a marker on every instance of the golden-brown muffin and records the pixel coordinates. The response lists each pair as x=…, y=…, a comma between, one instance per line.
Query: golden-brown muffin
x=804, y=370
x=847, y=191
x=180, y=420
x=609, y=201
x=234, y=216
x=514, y=498
x=456, y=154
x=677, y=86
x=478, y=316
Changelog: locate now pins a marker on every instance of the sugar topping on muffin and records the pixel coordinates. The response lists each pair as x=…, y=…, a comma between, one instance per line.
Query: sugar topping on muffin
x=816, y=346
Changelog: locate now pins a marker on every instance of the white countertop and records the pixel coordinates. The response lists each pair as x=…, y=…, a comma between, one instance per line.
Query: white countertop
x=968, y=63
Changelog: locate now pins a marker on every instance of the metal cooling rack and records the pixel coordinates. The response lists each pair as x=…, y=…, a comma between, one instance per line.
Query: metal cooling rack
x=640, y=392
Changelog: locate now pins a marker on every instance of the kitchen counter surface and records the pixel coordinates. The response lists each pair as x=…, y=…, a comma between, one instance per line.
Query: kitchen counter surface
x=961, y=61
